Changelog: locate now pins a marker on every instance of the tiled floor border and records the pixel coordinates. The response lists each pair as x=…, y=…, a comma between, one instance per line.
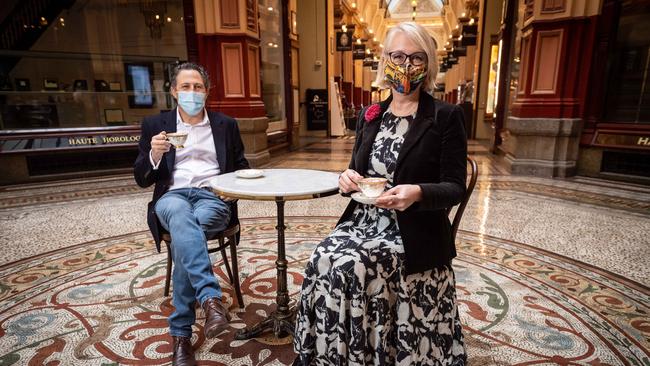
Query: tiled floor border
x=590, y=268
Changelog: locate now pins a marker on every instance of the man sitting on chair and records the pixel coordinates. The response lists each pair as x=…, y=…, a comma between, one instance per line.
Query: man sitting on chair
x=182, y=203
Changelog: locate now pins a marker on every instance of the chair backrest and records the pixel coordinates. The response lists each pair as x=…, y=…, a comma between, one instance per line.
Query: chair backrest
x=468, y=193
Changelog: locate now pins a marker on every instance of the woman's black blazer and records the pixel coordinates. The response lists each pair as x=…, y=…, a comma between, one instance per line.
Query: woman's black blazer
x=433, y=156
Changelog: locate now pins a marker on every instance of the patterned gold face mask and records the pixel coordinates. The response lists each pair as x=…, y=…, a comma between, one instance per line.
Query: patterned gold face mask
x=406, y=78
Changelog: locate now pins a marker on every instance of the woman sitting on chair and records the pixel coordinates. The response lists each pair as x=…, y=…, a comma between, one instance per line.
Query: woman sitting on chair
x=380, y=289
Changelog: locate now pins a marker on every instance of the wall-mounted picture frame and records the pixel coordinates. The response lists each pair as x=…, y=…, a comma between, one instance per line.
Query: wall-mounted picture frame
x=50, y=84
x=115, y=86
x=114, y=117
x=80, y=84
x=23, y=84
x=294, y=23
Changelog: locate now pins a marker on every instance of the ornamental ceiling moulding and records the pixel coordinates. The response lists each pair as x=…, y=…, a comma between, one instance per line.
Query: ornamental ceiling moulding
x=405, y=7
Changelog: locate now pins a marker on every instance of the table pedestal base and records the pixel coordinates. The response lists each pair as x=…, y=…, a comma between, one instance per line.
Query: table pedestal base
x=281, y=321
x=281, y=324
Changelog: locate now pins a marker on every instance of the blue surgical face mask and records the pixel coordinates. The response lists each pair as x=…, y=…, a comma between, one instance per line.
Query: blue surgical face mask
x=191, y=102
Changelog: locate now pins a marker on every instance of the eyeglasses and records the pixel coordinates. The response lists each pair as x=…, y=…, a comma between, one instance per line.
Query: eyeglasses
x=416, y=58
x=189, y=87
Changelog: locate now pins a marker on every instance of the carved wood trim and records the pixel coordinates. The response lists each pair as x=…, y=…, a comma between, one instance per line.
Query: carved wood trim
x=251, y=15
x=229, y=13
x=524, y=62
x=553, y=6
x=232, y=70
x=254, y=71
x=546, y=69
x=529, y=9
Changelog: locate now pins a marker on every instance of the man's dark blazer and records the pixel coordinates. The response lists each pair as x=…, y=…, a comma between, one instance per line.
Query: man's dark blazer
x=433, y=156
x=227, y=142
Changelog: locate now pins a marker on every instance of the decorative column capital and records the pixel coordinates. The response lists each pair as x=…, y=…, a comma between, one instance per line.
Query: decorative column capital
x=548, y=10
x=227, y=17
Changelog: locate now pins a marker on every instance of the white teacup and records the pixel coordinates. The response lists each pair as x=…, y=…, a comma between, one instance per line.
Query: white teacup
x=177, y=139
x=372, y=187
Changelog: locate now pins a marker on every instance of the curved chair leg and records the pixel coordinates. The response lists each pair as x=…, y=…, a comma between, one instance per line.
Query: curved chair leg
x=168, y=276
x=233, y=253
x=225, y=259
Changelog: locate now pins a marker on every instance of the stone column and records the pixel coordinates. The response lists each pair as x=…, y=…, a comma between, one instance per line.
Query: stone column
x=541, y=135
x=229, y=46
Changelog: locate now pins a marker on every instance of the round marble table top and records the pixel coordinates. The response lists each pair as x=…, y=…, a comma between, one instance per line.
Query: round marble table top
x=278, y=184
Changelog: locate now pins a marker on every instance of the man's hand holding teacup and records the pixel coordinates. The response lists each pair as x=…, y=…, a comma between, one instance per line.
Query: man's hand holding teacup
x=348, y=181
x=399, y=197
x=159, y=146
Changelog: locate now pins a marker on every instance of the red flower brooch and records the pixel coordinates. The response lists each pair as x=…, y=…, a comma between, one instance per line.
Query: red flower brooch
x=372, y=112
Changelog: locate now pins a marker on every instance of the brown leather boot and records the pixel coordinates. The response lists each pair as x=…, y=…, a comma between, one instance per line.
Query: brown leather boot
x=216, y=317
x=183, y=352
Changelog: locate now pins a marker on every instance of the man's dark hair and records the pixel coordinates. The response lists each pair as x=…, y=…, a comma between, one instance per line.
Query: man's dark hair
x=191, y=66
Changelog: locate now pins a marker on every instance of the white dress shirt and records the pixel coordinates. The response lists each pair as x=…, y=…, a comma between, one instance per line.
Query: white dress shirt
x=196, y=163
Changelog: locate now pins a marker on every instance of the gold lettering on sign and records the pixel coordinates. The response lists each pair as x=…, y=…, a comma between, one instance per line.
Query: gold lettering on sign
x=106, y=140
x=119, y=139
x=615, y=139
x=82, y=141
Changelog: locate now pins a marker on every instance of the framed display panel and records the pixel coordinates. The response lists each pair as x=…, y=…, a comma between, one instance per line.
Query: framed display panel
x=139, y=82
x=23, y=84
x=80, y=84
x=50, y=84
x=358, y=51
x=344, y=41
x=114, y=117
x=5, y=83
x=101, y=86
x=115, y=86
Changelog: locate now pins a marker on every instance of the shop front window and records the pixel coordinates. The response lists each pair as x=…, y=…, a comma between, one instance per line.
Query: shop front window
x=628, y=92
x=492, y=80
x=93, y=63
x=272, y=62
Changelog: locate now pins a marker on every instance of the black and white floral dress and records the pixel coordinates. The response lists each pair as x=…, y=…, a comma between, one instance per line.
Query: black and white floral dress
x=357, y=305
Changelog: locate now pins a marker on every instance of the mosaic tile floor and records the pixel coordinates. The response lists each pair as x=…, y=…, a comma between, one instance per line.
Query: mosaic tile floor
x=101, y=303
x=551, y=271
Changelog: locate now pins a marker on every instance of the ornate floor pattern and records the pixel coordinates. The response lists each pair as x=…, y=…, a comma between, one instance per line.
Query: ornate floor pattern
x=101, y=303
x=84, y=189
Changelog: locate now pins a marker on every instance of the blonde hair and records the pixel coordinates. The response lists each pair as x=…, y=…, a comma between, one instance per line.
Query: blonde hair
x=418, y=35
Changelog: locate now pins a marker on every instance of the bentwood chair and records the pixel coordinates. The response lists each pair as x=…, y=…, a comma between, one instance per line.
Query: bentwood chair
x=229, y=238
x=468, y=193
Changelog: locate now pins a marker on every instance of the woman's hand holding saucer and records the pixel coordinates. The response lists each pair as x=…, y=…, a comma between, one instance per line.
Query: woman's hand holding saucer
x=399, y=197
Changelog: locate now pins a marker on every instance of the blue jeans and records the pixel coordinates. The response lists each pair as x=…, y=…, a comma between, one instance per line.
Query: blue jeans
x=189, y=214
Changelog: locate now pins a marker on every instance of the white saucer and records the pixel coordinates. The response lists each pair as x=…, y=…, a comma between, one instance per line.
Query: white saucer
x=361, y=198
x=249, y=173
